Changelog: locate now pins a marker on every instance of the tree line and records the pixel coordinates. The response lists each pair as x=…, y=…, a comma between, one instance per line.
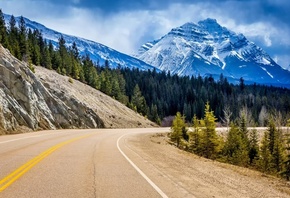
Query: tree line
x=240, y=146
x=153, y=94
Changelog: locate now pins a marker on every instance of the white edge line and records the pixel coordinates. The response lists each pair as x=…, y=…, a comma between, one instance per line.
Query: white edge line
x=13, y=140
x=139, y=171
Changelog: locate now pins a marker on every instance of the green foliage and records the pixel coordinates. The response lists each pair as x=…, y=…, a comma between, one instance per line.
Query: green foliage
x=235, y=149
x=273, y=153
x=195, y=137
x=70, y=80
x=178, y=129
x=3, y=30
x=286, y=172
x=265, y=161
x=31, y=67
x=139, y=101
x=210, y=139
x=253, y=147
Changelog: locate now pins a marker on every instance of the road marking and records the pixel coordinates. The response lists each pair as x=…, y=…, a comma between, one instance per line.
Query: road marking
x=139, y=171
x=23, y=138
x=12, y=177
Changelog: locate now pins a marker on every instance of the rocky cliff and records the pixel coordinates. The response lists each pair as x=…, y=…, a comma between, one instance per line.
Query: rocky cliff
x=27, y=103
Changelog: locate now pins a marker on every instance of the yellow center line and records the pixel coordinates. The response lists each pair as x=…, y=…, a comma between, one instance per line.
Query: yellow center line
x=12, y=177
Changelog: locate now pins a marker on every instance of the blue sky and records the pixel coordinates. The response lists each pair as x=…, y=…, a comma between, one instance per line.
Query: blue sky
x=126, y=24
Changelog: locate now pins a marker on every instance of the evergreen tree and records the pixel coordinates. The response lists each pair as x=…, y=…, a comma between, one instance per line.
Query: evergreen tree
x=75, y=51
x=235, y=148
x=13, y=38
x=23, y=46
x=195, y=137
x=272, y=150
x=242, y=84
x=243, y=129
x=3, y=30
x=254, y=147
x=178, y=129
x=154, y=114
x=265, y=160
x=138, y=101
x=286, y=172
x=210, y=139
x=65, y=66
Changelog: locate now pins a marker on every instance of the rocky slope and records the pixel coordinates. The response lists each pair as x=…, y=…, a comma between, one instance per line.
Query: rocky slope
x=111, y=112
x=27, y=104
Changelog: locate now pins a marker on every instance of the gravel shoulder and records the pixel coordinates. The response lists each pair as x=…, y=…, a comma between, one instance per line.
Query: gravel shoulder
x=195, y=176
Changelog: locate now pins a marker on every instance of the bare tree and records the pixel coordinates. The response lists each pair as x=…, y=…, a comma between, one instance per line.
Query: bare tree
x=263, y=115
x=247, y=115
x=227, y=116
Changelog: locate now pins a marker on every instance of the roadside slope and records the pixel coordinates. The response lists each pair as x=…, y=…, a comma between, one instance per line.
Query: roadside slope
x=113, y=113
x=193, y=176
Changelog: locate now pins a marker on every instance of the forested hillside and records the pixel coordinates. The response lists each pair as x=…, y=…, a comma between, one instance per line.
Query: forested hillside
x=155, y=95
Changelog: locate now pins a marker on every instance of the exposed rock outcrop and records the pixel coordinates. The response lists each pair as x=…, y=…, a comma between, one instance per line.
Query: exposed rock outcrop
x=47, y=100
x=112, y=113
x=26, y=103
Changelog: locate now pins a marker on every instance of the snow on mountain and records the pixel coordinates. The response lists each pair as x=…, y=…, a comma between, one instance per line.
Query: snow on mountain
x=98, y=53
x=207, y=48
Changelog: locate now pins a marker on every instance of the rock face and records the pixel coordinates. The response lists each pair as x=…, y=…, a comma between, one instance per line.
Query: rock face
x=47, y=100
x=113, y=113
x=25, y=103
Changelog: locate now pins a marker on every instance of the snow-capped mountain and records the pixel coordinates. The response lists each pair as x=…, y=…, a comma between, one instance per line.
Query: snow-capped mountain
x=207, y=48
x=97, y=52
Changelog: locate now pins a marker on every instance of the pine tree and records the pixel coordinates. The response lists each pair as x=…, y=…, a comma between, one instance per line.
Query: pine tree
x=3, y=30
x=210, y=139
x=243, y=133
x=154, y=114
x=243, y=128
x=235, y=149
x=272, y=150
x=265, y=160
x=286, y=172
x=178, y=129
x=13, y=38
x=195, y=137
x=254, y=147
x=23, y=40
x=138, y=101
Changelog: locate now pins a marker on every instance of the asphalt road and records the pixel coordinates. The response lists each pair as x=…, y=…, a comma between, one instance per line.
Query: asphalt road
x=119, y=163
x=73, y=163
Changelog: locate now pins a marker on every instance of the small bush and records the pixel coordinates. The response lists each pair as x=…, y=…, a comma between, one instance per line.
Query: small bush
x=70, y=80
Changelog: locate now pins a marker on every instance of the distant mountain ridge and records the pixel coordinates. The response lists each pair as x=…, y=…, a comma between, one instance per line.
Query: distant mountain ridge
x=207, y=48
x=98, y=53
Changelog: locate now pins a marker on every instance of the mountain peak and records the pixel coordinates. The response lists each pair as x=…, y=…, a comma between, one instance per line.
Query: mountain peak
x=209, y=48
x=208, y=21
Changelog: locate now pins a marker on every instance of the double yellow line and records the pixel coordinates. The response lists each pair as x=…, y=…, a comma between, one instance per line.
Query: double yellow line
x=12, y=177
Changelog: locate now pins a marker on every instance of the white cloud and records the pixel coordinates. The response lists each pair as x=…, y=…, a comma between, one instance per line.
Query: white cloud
x=283, y=60
x=127, y=30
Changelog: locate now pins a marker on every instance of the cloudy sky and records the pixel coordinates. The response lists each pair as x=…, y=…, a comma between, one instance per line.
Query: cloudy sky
x=126, y=24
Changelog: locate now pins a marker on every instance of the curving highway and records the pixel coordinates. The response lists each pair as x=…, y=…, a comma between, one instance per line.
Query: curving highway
x=72, y=163
x=118, y=163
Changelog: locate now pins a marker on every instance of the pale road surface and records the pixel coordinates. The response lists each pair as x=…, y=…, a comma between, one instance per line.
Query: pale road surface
x=118, y=163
